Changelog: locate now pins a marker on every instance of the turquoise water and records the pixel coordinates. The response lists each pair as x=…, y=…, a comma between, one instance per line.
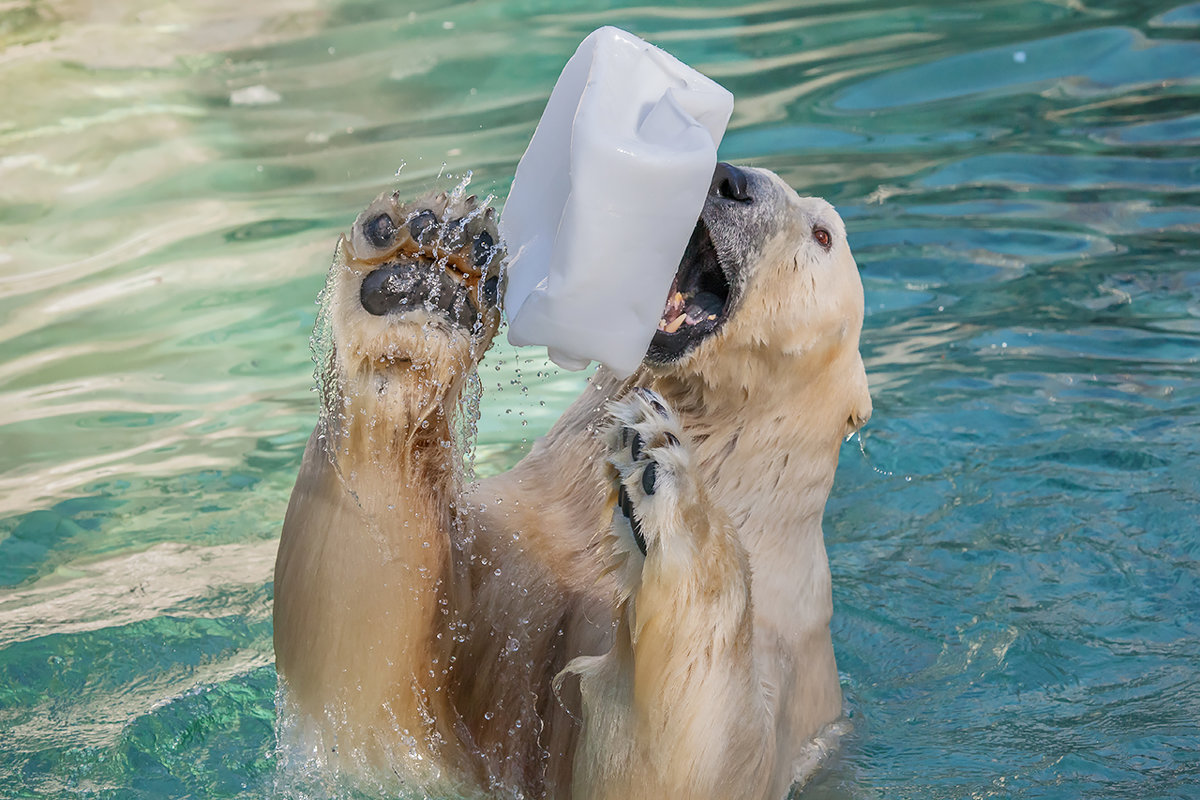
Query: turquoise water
x=1014, y=541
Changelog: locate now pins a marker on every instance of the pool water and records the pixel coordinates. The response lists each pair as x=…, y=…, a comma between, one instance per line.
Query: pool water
x=1014, y=539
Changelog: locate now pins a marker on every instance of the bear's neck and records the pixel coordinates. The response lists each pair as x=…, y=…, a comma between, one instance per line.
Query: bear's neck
x=769, y=457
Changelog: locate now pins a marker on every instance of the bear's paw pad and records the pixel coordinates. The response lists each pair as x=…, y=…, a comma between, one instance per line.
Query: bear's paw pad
x=441, y=246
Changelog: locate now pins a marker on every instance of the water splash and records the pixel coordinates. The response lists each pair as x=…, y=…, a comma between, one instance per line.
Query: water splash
x=857, y=436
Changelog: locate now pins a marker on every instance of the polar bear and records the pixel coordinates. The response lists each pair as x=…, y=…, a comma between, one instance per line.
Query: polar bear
x=641, y=606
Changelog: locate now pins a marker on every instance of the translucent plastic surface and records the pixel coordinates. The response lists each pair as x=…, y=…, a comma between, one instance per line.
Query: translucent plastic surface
x=605, y=199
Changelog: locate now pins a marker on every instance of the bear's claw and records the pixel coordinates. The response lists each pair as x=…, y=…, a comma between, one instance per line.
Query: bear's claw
x=653, y=465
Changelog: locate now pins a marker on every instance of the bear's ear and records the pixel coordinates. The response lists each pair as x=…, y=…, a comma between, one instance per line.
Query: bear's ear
x=860, y=398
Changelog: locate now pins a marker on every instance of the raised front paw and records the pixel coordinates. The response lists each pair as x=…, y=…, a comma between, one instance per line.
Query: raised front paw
x=438, y=253
x=654, y=473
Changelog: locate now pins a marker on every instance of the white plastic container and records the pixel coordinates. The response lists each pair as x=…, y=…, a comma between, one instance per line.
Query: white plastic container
x=605, y=200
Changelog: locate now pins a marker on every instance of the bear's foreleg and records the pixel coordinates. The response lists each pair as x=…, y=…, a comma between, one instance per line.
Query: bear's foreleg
x=677, y=707
x=369, y=580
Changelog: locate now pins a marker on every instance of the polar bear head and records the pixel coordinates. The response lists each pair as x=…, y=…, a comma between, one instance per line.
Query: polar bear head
x=767, y=298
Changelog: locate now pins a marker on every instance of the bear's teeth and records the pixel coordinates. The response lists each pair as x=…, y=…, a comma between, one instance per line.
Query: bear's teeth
x=674, y=316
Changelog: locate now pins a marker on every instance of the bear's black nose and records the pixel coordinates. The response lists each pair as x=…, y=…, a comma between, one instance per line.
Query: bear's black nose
x=730, y=183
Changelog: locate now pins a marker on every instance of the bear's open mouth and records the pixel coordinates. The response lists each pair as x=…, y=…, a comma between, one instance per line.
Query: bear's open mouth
x=698, y=302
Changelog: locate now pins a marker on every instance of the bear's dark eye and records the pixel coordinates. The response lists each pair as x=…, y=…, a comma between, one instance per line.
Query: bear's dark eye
x=379, y=230
x=822, y=237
